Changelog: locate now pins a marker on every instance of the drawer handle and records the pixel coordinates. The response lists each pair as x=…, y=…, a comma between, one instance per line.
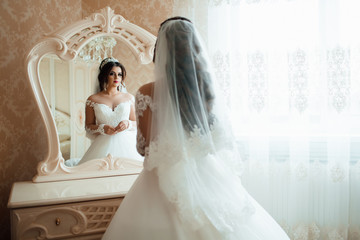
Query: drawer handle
x=57, y=221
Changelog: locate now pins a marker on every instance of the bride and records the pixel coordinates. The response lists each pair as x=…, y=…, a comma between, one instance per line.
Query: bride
x=190, y=187
x=110, y=116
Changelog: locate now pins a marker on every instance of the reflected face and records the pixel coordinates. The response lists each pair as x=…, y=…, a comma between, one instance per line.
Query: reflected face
x=114, y=77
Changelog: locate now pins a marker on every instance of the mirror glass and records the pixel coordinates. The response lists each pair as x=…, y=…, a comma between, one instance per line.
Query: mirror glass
x=67, y=85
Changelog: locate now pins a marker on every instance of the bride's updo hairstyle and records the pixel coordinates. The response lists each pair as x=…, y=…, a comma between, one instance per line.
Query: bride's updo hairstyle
x=104, y=70
x=167, y=20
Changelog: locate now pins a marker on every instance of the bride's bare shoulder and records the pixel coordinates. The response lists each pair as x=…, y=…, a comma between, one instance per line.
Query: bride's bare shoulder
x=147, y=89
x=127, y=96
x=95, y=97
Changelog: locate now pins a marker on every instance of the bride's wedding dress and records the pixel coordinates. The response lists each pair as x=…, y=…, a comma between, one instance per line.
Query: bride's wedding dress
x=146, y=214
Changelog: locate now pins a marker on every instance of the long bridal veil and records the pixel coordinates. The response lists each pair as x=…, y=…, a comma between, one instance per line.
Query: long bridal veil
x=192, y=147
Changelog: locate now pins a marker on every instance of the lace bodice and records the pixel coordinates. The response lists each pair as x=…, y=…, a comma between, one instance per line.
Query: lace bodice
x=142, y=102
x=105, y=115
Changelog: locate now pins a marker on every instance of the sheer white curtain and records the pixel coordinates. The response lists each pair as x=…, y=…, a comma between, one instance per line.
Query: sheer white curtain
x=290, y=72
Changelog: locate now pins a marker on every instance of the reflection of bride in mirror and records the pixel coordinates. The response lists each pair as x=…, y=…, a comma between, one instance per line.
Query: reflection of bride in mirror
x=110, y=116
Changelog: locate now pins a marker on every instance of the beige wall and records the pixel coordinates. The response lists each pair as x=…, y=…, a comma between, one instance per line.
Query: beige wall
x=22, y=24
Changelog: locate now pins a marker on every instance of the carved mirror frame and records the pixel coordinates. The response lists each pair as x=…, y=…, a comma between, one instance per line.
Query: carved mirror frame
x=66, y=43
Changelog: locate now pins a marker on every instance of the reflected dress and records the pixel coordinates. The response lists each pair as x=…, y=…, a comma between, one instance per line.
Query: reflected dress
x=122, y=144
x=145, y=213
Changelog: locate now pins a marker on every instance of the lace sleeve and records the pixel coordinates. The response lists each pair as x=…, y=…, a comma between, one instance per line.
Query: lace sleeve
x=142, y=102
x=132, y=124
x=99, y=129
x=140, y=143
x=93, y=129
x=90, y=103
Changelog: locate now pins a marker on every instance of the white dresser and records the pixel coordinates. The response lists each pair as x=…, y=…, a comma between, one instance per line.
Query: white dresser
x=74, y=209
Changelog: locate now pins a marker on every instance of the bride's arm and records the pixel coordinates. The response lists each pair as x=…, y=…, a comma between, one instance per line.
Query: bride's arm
x=90, y=122
x=132, y=117
x=143, y=115
x=131, y=122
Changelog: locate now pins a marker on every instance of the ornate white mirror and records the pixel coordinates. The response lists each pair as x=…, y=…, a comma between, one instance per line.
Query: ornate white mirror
x=59, y=65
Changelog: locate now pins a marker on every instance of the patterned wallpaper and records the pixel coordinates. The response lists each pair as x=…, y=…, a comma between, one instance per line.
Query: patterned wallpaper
x=22, y=24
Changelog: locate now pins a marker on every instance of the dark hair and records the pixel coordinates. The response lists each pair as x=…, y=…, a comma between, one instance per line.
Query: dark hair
x=167, y=20
x=105, y=70
x=175, y=18
x=191, y=86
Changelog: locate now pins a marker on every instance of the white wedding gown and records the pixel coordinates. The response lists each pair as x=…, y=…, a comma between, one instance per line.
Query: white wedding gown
x=122, y=144
x=146, y=214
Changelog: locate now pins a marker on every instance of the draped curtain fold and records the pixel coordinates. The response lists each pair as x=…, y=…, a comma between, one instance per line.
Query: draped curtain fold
x=290, y=73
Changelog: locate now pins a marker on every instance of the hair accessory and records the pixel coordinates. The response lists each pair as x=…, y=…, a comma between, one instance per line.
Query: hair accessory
x=107, y=60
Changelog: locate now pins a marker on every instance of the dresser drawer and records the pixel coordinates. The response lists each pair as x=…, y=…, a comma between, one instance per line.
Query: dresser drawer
x=67, y=221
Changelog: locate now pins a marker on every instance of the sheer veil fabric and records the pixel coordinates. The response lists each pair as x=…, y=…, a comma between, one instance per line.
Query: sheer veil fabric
x=191, y=145
x=190, y=187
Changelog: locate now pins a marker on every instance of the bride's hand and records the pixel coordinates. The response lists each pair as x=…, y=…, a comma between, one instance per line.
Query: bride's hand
x=124, y=124
x=109, y=130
